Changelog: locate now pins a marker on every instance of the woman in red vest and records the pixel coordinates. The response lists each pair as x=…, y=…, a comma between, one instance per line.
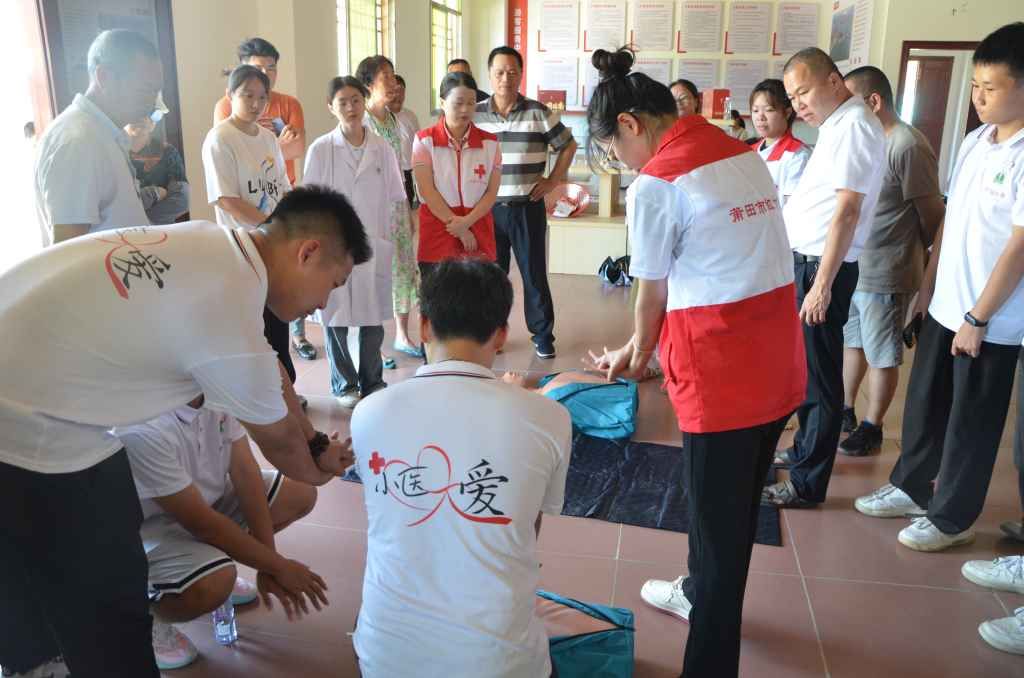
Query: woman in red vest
x=457, y=167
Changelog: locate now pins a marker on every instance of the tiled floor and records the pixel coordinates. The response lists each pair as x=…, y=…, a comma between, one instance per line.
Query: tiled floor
x=840, y=598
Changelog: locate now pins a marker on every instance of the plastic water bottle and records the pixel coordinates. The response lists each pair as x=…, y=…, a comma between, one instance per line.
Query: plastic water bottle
x=224, y=628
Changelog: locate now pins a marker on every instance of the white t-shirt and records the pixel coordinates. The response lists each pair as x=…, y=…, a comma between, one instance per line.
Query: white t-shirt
x=115, y=328
x=452, y=496
x=850, y=155
x=83, y=174
x=408, y=125
x=986, y=204
x=786, y=159
x=238, y=165
x=185, y=447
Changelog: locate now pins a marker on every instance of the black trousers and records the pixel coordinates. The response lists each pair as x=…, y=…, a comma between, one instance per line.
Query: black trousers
x=954, y=417
x=821, y=414
x=73, y=574
x=726, y=473
x=521, y=228
x=277, y=334
x=1018, y=441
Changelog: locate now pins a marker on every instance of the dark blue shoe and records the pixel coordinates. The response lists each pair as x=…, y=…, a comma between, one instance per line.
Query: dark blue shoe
x=545, y=350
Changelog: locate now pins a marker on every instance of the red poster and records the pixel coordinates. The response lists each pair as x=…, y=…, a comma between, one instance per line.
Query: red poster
x=517, y=32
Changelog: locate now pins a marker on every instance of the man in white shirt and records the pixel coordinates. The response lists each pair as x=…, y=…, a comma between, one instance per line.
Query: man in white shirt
x=972, y=299
x=206, y=504
x=84, y=179
x=160, y=316
x=828, y=219
x=454, y=496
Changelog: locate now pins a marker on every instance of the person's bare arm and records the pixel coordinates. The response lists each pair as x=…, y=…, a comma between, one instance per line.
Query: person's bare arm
x=837, y=244
x=292, y=142
x=630, y=360
x=924, y=295
x=1006, y=275
x=559, y=173
x=930, y=211
x=247, y=480
x=241, y=210
x=62, y=232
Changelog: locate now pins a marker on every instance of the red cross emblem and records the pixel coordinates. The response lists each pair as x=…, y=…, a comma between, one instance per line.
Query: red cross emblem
x=480, y=171
x=376, y=463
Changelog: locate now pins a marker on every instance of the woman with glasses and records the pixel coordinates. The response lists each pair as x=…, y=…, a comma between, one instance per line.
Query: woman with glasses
x=686, y=96
x=713, y=269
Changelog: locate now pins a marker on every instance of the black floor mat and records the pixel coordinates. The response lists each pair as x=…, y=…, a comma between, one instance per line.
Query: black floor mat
x=640, y=484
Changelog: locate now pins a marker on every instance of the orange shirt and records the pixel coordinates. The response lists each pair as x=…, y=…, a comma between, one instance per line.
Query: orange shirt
x=282, y=107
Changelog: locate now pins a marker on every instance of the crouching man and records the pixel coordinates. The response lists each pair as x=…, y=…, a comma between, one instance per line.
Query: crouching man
x=206, y=504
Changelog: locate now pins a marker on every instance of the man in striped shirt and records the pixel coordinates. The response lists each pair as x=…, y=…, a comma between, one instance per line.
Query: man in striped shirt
x=526, y=129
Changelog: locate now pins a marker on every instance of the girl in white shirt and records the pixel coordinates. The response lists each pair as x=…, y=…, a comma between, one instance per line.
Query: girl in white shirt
x=773, y=116
x=361, y=166
x=245, y=171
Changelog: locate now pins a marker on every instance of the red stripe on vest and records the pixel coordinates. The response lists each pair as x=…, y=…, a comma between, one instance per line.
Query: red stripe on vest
x=787, y=142
x=691, y=143
x=735, y=365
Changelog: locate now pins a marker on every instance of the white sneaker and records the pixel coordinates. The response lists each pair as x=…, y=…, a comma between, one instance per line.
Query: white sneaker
x=888, y=501
x=244, y=592
x=172, y=648
x=922, y=535
x=1006, y=634
x=55, y=668
x=1002, y=574
x=348, y=399
x=667, y=596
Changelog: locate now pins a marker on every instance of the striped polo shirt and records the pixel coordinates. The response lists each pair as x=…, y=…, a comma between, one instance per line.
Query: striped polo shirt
x=704, y=214
x=525, y=136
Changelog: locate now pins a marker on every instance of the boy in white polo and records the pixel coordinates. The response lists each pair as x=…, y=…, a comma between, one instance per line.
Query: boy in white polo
x=454, y=496
x=961, y=382
x=206, y=504
x=84, y=179
x=828, y=218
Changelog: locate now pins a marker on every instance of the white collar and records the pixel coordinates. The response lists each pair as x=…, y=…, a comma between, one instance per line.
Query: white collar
x=989, y=135
x=841, y=111
x=86, y=105
x=455, y=368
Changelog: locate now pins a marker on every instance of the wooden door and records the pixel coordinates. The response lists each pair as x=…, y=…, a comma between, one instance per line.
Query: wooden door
x=931, y=92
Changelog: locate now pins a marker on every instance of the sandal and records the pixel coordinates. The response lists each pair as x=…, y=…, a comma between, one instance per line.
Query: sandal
x=783, y=495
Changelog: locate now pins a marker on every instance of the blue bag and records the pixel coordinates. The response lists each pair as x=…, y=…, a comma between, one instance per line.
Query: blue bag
x=606, y=410
x=596, y=640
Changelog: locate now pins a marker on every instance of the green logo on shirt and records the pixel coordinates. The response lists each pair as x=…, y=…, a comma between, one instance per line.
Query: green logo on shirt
x=999, y=179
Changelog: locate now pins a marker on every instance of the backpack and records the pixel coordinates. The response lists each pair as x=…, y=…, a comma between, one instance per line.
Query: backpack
x=587, y=640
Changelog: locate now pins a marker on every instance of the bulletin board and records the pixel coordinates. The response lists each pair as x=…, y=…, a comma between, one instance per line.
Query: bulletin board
x=70, y=26
x=714, y=43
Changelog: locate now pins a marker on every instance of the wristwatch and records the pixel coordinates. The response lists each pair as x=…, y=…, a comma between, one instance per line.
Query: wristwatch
x=318, y=444
x=974, y=321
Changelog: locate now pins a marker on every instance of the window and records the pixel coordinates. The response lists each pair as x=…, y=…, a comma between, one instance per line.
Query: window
x=365, y=28
x=445, y=39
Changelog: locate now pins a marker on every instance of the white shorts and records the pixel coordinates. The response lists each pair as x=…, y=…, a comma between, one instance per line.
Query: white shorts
x=177, y=559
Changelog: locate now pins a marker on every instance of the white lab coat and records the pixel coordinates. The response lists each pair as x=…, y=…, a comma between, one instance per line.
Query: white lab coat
x=373, y=186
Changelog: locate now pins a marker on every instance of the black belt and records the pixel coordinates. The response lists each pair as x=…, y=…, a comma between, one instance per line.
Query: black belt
x=805, y=258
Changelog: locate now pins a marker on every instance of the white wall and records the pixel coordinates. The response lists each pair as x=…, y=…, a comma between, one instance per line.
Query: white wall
x=206, y=35
x=412, y=54
x=483, y=29
x=952, y=20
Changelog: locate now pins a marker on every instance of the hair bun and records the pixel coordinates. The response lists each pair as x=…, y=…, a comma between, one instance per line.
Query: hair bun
x=615, y=64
